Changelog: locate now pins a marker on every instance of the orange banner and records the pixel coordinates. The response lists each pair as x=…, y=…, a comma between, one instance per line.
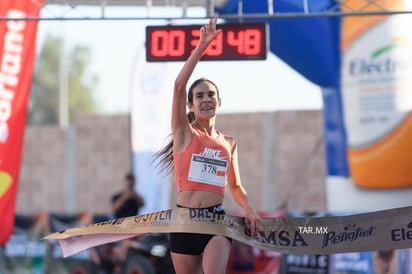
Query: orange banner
x=376, y=92
x=17, y=54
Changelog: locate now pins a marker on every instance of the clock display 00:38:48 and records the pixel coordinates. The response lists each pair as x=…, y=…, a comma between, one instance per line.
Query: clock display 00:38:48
x=236, y=42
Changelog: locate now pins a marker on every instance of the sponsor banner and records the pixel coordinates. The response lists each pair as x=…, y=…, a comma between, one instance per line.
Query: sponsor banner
x=150, y=125
x=375, y=103
x=391, y=229
x=377, y=97
x=25, y=252
x=380, y=261
x=17, y=52
x=305, y=263
x=352, y=263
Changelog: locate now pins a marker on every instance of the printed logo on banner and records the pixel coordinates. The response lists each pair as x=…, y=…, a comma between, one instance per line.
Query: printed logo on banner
x=205, y=214
x=402, y=234
x=111, y=222
x=281, y=237
x=160, y=218
x=270, y=235
x=351, y=234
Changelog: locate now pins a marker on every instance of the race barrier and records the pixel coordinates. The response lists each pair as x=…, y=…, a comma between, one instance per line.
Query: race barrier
x=386, y=229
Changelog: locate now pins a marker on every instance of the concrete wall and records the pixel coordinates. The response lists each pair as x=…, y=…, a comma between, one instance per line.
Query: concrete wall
x=281, y=160
x=76, y=169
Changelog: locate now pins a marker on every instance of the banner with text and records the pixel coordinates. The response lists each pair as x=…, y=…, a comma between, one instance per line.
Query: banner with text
x=389, y=229
x=17, y=54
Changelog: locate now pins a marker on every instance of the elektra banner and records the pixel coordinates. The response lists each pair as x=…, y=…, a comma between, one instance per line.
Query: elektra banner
x=377, y=98
x=388, y=229
x=17, y=52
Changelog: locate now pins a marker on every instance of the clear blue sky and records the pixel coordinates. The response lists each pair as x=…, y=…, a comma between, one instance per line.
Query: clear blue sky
x=246, y=86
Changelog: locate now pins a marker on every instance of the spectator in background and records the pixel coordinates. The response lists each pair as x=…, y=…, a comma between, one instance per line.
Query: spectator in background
x=127, y=202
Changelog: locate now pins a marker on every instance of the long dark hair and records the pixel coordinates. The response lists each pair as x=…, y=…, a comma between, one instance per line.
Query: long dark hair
x=164, y=157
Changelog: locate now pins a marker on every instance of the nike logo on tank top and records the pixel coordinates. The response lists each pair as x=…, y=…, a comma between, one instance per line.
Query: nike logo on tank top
x=204, y=164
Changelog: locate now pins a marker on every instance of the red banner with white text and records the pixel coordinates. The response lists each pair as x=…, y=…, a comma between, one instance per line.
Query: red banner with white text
x=17, y=54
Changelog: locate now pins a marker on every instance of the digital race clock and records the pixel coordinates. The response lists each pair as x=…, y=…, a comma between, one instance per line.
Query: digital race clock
x=235, y=42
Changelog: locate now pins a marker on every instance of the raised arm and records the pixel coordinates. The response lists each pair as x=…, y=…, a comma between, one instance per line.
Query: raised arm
x=180, y=124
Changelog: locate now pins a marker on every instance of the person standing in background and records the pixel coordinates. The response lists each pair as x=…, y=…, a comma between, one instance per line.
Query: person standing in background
x=127, y=202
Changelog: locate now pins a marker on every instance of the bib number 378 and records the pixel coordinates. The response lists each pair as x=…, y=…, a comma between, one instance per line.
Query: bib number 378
x=207, y=170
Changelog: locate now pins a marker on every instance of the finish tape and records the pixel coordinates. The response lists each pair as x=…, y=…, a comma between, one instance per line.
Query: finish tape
x=379, y=230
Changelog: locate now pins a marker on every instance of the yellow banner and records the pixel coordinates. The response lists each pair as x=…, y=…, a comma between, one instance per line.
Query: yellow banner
x=387, y=229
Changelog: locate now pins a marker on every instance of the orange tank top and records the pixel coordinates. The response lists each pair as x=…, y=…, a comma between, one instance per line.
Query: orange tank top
x=204, y=164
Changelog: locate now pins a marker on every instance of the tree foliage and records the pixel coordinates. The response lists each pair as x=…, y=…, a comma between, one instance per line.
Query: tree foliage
x=44, y=94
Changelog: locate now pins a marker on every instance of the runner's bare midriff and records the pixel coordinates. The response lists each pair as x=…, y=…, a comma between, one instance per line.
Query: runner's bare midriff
x=198, y=198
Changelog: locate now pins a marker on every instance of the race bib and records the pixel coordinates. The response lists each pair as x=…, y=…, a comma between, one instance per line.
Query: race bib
x=208, y=170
